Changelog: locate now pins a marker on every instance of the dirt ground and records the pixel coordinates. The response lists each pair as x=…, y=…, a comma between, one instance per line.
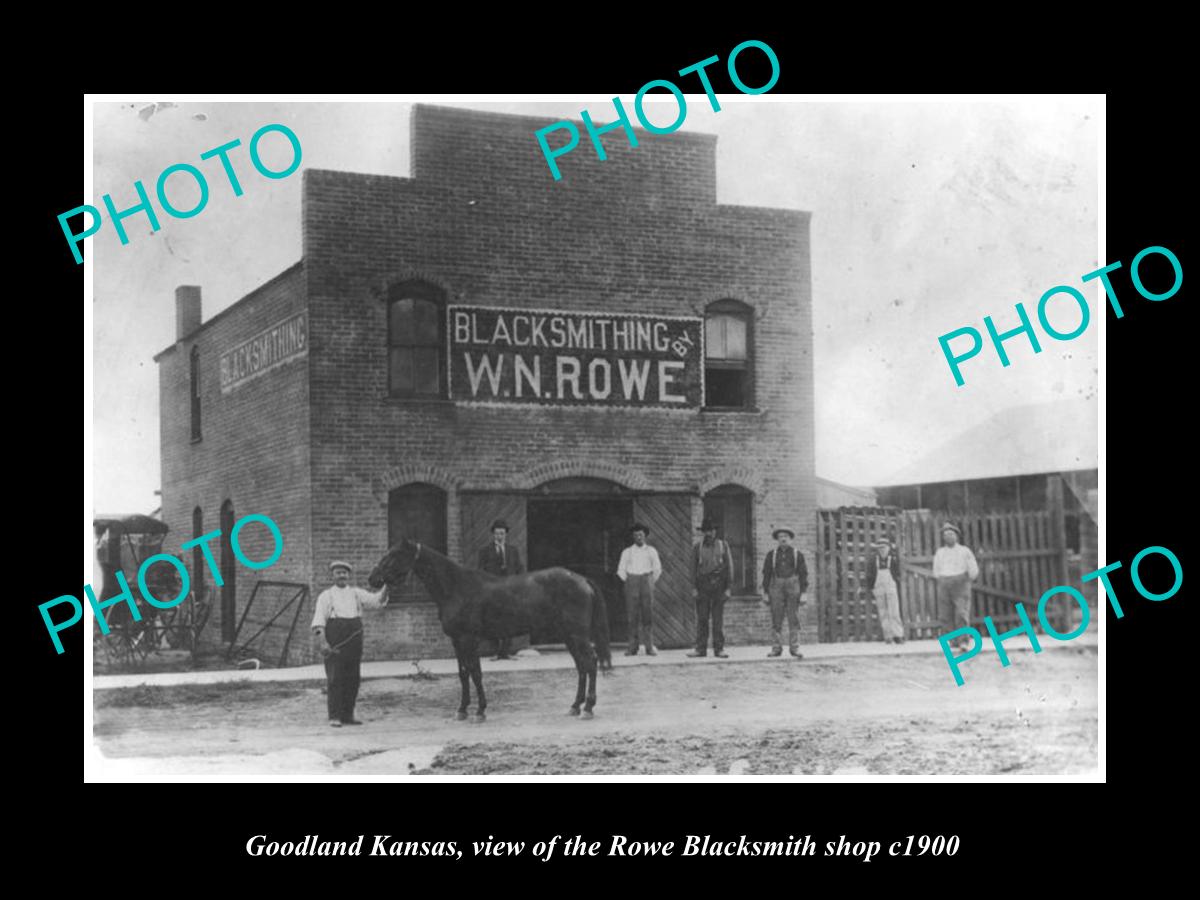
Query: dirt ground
x=870, y=715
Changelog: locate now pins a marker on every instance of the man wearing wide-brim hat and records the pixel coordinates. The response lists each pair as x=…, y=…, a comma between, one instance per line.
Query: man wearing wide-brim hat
x=337, y=624
x=639, y=569
x=712, y=574
x=785, y=581
x=954, y=567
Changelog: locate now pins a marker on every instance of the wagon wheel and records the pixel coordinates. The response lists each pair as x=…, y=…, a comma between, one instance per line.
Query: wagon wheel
x=119, y=651
x=173, y=624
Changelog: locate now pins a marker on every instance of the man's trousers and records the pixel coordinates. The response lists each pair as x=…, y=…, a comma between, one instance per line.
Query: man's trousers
x=784, y=594
x=639, y=609
x=710, y=601
x=342, y=667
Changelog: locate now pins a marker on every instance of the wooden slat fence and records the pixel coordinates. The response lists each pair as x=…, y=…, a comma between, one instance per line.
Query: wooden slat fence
x=1020, y=555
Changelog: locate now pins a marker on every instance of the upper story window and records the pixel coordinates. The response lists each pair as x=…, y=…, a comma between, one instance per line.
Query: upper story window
x=194, y=392
x=416, y=341
x=729, y=355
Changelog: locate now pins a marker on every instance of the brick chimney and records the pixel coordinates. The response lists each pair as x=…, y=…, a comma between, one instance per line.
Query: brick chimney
x=187, y=310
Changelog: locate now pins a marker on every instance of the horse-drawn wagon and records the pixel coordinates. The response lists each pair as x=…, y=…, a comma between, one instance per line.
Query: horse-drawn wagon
x=123, y=543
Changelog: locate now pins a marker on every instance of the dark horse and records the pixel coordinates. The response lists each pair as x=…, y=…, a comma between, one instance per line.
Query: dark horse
x=474, y=605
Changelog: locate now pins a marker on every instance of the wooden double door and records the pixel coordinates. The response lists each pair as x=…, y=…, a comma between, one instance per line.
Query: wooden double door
x=584, y=529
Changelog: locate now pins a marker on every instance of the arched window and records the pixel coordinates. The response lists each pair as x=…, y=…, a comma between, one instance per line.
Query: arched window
x=732, y=508
x=729, y=355
x=228, y=575
x=416, y=341
x=194, y=392
x=198, y=563
x=417, y=512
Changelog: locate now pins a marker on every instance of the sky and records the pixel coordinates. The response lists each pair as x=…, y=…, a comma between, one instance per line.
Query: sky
x=926, y=217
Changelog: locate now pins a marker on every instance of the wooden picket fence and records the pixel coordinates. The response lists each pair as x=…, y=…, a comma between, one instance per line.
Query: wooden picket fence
x=1020, y=555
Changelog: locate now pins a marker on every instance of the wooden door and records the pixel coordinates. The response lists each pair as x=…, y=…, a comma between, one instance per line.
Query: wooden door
x=669, y=518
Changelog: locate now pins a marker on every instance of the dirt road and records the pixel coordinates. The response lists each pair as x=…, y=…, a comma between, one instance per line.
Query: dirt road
x=879, y=715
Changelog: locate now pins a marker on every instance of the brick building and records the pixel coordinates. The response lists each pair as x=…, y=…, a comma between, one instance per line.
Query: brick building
x=479, y=341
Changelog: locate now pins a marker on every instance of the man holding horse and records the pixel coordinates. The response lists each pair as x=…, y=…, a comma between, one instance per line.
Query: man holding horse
x=337, y=623
x=640, y=568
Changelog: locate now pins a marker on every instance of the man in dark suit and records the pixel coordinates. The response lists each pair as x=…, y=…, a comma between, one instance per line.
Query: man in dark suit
x=501, y=558
x=785, y=580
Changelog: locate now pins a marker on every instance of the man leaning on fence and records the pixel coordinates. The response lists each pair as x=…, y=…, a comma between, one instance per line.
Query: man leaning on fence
x=337, y=624
x=954, y=567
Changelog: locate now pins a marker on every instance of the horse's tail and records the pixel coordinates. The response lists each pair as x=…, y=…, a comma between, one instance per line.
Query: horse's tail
x=600, y=625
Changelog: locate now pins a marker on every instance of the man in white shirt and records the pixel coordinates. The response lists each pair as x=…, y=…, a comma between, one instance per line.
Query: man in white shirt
x=337, y=624
x=954, y=567
x=640, y=568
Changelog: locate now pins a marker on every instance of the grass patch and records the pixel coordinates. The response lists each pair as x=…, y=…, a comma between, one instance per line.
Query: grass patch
x=165, y=697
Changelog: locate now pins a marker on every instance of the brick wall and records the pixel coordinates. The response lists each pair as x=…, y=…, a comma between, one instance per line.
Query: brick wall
x=484, y=221
x=254, y=452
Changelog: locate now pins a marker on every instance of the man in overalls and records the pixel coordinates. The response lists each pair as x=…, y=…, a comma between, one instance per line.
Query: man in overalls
x=337, y=623
x=712, y=573
x=883, y=580
x=785, y=581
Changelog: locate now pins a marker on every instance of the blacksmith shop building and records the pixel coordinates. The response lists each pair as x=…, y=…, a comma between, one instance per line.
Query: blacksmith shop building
x=480, y=341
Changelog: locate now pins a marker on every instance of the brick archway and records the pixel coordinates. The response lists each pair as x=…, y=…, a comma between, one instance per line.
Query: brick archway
x=397, y=476
x=380, y=286
x=746, y=477
x=626, y=476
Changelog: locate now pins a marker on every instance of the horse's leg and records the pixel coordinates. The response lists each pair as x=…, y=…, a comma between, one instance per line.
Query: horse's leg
x=573, y=647
x=477, y=676
x=589, y=659
x=464, y=678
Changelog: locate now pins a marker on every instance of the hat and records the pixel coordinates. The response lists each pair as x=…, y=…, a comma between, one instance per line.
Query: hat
x=707, y=525
x=340, y=564
x=500, y=523
x=778, y=531
x=950, y=526
x=881, y=542
x=638, y=526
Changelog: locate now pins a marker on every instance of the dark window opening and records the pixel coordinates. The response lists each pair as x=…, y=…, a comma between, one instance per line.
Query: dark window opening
x=194, y=393
x=198, y=563
x=732, y=509
x=416, y=512
x=228, y=575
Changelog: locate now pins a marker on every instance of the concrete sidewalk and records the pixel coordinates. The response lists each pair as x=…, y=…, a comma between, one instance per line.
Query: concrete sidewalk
x=560, y=659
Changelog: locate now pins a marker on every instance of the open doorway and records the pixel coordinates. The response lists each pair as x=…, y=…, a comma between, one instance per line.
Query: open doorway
x=582, y=528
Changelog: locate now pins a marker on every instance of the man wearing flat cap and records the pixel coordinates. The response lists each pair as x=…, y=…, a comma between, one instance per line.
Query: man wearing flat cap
x=337, y=624
x=712, y=573
x=501, y=558
x=883, y=580
x=954, y=567
x=785, y=580
x=639, y=568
